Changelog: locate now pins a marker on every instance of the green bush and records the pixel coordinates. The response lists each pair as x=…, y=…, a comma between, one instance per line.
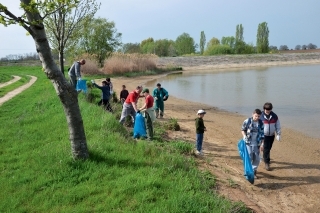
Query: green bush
x=218, y=50
x=182, y=147
x=172, y=124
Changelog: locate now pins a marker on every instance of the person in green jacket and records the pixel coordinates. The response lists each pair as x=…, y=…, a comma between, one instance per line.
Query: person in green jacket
x=200, y=128
x=160, y=95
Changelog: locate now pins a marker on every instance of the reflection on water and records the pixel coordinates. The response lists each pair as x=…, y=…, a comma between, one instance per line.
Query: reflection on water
x=293, y=90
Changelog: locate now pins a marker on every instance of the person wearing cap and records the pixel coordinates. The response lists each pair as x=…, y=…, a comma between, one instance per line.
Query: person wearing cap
x=200, y=128
x=74, y=72
x=130, y=105
x=159, y=95
x=148, y=113
x=271, y=126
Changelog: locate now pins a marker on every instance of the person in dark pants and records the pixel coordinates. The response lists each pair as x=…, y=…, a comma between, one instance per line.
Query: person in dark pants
x=148, y=114
x=105, y=95
x=74, y=72
x=123, y=94
x=271, y=126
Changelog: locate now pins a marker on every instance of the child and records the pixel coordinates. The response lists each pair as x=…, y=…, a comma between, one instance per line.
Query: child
x=105, y=95
x=123, y=94
x=253, y=134
x=108, y=80
x=200, y=128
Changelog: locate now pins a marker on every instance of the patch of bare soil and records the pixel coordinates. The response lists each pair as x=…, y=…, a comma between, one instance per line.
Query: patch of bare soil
x=15, y=79
x=292, y=185
x=17, y=91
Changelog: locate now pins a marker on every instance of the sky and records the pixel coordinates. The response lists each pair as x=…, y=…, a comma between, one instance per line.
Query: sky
x=290, y=22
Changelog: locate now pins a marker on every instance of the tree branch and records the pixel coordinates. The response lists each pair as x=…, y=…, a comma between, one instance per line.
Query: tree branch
x=48, y=14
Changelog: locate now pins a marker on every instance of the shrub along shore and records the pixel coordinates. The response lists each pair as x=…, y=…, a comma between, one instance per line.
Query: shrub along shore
x=38, y=173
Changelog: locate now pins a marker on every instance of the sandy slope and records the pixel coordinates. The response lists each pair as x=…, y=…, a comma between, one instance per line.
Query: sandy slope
x=293, y=184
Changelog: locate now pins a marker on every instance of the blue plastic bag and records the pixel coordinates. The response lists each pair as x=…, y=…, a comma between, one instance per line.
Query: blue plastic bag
x=247, y=166
x=82, y=85
x=139, y=129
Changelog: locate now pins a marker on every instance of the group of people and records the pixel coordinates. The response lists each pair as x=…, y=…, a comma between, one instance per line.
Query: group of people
x=259, y=132
x=153, y=105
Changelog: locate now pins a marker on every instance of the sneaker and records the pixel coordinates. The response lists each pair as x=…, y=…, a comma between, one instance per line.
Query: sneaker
x=267, y=166
x=197, y=152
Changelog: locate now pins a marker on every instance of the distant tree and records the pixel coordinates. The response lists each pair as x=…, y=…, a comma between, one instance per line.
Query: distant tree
x=230, y=41
x=172, y=50
x=202, y=42
x=298, y=47
x=214, y=41
x=283, y=47
x=100, y=39
x=262, y=45
x=239, y=40
x=161, y=47
x=304, y=47
x=64, y=25
x=312, y=46
x=147, y=46
x=32, y=22
x=185, y=44
x=131, y=48
x=273, y=48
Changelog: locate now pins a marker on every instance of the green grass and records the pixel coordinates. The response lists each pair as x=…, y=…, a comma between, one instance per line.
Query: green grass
x=10, y=87
x=5, y=77
x=38, y=173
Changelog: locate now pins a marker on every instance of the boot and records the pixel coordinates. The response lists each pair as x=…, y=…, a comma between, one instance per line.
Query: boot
x=267, y=166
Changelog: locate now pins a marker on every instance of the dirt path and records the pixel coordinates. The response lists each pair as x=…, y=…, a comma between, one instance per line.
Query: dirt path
x=15, y=79
x=293, y=184
x=17, y=91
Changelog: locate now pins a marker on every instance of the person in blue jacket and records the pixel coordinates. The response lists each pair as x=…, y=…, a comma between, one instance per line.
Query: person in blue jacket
x=159, y=95
x=105, y=95
x=253, y=134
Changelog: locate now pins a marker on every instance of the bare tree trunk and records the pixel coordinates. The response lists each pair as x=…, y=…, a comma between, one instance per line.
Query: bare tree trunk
x=67, y=94
x=61, y=60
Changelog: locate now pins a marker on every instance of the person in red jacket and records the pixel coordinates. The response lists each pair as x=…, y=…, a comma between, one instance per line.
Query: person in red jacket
x=130, y=105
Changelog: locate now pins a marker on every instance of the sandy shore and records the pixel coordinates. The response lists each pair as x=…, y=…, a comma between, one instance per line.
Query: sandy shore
x=293, y=184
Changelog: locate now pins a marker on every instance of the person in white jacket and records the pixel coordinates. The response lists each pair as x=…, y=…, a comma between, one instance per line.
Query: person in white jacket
x=271, y=126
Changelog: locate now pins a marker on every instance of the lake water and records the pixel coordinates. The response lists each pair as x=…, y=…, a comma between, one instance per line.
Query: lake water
x=293, y=91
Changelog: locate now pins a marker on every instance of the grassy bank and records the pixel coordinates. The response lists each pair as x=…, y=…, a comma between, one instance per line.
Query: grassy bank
x=5, y=77
x=22, y=81
x=122, y=175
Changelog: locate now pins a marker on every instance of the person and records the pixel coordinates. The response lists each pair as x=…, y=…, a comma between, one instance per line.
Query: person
x=110, y=85
x=105, y=95
x=271, y=126
x=74, y=72
x=159, y=95
x=253, y=134
x=148, y=113
x=130, y=105
x=123, y=94
x=200, y=128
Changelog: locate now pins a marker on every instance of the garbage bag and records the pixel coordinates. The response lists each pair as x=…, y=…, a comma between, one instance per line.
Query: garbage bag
x=82, y=85
x=139, y=129
x=247, y=166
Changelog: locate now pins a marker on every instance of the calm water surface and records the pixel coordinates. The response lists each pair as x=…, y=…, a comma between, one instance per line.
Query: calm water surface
x=293, y=90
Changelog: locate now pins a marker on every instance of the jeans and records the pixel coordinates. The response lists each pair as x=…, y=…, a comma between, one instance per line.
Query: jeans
x=253, y=152
x=199, y=141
